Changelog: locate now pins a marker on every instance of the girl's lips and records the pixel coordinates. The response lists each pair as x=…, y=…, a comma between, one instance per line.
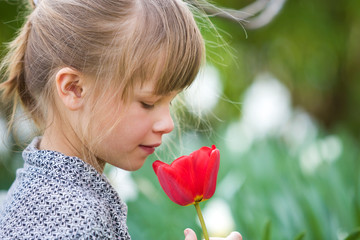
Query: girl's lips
x=149, y=149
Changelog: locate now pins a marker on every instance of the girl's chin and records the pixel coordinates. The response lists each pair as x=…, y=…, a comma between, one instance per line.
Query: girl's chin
x=133, y=168
x=132, y=165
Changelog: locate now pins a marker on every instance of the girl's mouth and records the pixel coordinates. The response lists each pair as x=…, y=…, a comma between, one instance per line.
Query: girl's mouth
x=149, y=149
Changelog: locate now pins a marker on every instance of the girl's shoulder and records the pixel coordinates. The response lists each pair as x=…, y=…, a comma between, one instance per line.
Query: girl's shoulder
x=49, y=208
x=55, y=195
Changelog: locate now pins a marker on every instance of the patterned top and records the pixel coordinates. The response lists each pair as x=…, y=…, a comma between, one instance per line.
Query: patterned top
x=59, y=197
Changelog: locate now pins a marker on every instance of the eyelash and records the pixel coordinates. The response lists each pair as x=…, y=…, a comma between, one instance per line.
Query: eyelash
x=147, y=106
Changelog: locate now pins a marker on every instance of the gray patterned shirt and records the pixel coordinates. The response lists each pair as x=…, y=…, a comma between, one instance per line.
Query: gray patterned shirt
x=59, y=197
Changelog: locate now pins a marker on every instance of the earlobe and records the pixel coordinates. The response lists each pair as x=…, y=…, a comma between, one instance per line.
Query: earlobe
x=69, y=86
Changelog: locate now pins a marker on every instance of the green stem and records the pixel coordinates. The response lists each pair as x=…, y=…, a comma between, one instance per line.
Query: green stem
x=198, y=210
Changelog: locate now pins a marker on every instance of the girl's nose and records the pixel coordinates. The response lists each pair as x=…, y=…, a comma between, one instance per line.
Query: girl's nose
x=164, y=123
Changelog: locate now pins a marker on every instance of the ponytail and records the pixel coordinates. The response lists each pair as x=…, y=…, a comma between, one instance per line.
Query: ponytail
x=33, y=3
x=13, y=69
x=14, y=65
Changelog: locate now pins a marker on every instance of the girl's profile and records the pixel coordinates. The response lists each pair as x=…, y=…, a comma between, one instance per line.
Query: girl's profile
x=97, y=78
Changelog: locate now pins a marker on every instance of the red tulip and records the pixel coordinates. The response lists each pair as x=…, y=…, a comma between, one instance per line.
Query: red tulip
x=190, y=179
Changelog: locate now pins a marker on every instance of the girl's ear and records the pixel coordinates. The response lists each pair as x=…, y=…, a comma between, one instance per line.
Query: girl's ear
x=69, y=86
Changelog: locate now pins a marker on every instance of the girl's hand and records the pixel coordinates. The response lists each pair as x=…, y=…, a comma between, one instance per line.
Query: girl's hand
x=190, y=235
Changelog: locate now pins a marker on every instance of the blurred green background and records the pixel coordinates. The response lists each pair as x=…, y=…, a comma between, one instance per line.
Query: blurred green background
x=280, y=100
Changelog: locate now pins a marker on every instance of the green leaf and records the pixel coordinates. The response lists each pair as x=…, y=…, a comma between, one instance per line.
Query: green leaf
x=267, y=231
x=300, y=236
x=354, y=235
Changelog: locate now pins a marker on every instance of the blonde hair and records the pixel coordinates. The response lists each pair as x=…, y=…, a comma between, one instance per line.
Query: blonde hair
x=118, y=43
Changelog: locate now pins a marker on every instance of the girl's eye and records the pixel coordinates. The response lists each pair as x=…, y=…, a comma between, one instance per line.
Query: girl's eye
x=147, y=106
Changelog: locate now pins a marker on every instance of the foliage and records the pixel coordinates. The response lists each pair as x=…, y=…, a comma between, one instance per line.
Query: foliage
x=311, y=46
x=275, y=197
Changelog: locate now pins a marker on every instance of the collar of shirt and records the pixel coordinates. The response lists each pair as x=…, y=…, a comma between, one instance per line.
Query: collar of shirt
x=65, y=168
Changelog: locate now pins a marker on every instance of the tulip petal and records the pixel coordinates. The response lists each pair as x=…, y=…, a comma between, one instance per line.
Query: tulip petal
x=211, y=174
x=174, y=182
x=200, y=160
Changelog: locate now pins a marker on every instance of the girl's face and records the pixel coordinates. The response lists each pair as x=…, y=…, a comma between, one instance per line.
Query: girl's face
x=140, y=125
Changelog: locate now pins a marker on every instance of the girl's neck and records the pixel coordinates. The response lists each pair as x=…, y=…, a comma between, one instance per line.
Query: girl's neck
x=55, y=140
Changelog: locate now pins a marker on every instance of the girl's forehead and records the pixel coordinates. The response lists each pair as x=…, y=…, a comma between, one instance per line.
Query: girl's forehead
x=148, y=89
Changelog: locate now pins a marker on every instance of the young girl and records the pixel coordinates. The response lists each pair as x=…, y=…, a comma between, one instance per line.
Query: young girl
x=98, y=78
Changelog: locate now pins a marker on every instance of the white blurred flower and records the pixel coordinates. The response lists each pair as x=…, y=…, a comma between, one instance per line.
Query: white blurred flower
x=202, y=96
x=218, y=218
x=266, y=105
x=4, y=139
x=2, y=196
x=147, y=188
x=123, y=183
x=310, y=159
x=328, y=149
x=24, y=127
x=239, y=137
x=300, y=129
x=230, y=185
